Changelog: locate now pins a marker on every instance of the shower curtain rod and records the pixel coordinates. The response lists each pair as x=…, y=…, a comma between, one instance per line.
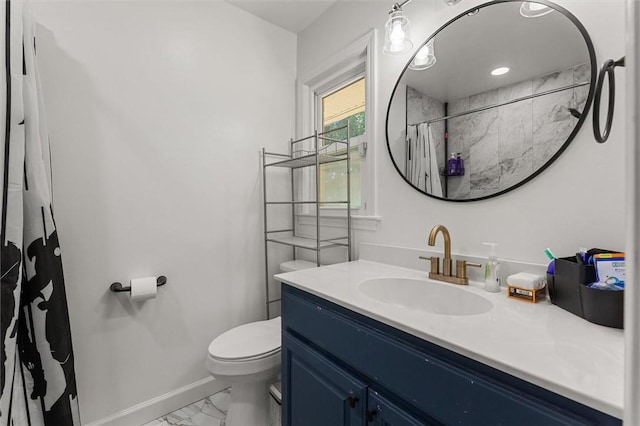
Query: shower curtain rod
x=524, y=98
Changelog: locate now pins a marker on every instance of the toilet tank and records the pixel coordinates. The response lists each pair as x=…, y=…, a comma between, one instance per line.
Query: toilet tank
x=296, y=265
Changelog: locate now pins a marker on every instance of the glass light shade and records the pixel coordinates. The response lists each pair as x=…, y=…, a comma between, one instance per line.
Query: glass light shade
x=451, y=2
x=396, y=34
x=425, y=58
x=530, y=9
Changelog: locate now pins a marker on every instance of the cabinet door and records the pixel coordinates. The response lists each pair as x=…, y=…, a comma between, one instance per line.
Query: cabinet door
x=315, y=391
x=382, y=412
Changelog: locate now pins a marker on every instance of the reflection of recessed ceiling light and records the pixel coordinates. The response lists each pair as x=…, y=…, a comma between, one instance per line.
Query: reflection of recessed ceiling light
x=529, y=9
x=473, y=12
x=500, y=71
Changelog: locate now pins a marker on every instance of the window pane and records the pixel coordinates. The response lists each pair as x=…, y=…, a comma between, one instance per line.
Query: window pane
x=343, y=103
x=333, y=182
x=346, y=104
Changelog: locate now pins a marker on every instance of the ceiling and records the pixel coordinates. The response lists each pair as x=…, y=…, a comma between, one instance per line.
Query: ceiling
x=469, y=48
x=292, y=15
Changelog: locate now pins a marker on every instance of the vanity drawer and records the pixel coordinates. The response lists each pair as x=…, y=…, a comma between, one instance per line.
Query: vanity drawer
x=426, y=377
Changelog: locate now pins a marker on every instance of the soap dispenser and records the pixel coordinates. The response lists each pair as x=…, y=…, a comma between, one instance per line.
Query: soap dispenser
x=491, y=270
x=452, y=165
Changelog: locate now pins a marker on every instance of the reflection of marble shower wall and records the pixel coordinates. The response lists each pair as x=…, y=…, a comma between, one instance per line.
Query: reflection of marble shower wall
x=421, y=108
x=504, y=145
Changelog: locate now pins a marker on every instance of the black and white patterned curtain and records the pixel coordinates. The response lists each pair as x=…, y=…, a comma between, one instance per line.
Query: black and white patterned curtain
x=38, y=378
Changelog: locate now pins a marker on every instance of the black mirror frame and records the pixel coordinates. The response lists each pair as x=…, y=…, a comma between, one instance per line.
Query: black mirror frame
x=581, y=120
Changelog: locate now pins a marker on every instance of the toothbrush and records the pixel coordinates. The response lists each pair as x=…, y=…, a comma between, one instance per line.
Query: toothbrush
x=552, y=265
x=549, y=254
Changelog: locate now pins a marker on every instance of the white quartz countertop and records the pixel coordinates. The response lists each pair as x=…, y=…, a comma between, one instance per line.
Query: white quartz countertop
x=539, y=343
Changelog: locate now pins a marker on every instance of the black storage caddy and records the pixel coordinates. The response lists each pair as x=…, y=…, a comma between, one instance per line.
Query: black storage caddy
x=568, y=290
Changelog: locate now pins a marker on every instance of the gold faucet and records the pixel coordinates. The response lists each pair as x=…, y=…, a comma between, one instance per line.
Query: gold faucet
x=446, y=262
x=446, y=275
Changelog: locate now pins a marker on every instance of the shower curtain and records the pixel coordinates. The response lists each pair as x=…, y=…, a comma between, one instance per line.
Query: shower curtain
x=37, y=372
x=421, y=162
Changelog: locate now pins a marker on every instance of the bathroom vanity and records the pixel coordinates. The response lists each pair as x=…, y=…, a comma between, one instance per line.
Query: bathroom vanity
x=350, y=359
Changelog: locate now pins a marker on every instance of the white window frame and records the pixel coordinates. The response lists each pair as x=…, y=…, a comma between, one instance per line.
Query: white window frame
x=356, y=59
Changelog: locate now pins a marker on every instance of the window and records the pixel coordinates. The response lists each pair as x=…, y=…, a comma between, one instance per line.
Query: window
x=338, y=90
x=346, y=104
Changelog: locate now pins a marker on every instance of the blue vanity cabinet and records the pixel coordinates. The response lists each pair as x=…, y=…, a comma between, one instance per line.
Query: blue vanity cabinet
x=320, y=392
x=342, y=368
x=382, y=412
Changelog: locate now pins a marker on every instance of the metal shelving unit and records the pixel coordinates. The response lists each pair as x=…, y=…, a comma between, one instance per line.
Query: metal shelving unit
x=334, y=151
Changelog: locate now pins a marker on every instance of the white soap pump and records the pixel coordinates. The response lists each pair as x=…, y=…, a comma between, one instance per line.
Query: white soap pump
x=491, y=270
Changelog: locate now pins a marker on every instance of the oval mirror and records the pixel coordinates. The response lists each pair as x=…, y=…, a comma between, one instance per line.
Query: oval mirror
x=491, y=99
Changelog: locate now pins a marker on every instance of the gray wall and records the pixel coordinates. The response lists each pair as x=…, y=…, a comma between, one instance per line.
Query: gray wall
x=504, y=145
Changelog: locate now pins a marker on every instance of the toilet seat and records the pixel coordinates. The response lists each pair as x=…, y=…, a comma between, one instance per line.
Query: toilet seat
x=249, y=358
x=246, y=353
x=248, y=342
x=244, y=370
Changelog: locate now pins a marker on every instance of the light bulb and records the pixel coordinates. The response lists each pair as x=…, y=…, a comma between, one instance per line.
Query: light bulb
x=500, y=71
x=425, y=58
x=397, y=36
x=422, y=54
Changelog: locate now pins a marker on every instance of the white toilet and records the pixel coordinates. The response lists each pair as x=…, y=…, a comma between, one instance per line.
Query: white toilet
x=248, y=358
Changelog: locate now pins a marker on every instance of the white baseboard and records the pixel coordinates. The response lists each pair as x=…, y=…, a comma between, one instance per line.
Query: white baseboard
x=152, y=409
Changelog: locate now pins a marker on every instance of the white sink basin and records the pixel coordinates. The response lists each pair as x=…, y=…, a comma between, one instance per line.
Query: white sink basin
x=426, y=296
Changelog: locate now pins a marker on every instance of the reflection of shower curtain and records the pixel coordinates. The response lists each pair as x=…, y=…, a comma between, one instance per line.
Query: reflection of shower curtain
x=421, y=162
x=38, y=379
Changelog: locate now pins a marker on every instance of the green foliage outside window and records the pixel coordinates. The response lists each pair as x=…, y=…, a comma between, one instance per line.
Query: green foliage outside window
x=356, y=127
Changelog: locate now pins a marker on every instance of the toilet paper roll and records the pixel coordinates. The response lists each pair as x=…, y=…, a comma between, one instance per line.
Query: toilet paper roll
x=143, y=288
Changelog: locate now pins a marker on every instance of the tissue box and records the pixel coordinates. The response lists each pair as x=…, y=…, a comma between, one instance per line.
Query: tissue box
x=527, y=294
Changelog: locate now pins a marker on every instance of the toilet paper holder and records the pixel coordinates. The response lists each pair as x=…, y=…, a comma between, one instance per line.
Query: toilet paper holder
x=118, y=288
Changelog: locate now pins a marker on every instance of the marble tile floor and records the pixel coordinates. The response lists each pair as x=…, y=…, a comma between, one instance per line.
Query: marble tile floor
x=210, y=411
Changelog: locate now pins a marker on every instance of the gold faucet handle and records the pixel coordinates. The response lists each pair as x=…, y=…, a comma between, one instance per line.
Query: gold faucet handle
x=461, y=268
x=435, y=263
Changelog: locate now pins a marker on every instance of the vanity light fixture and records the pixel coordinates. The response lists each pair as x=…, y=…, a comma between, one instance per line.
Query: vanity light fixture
x=530, y=9
x=396, y=31
x=425, y=58
x=500, y=71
